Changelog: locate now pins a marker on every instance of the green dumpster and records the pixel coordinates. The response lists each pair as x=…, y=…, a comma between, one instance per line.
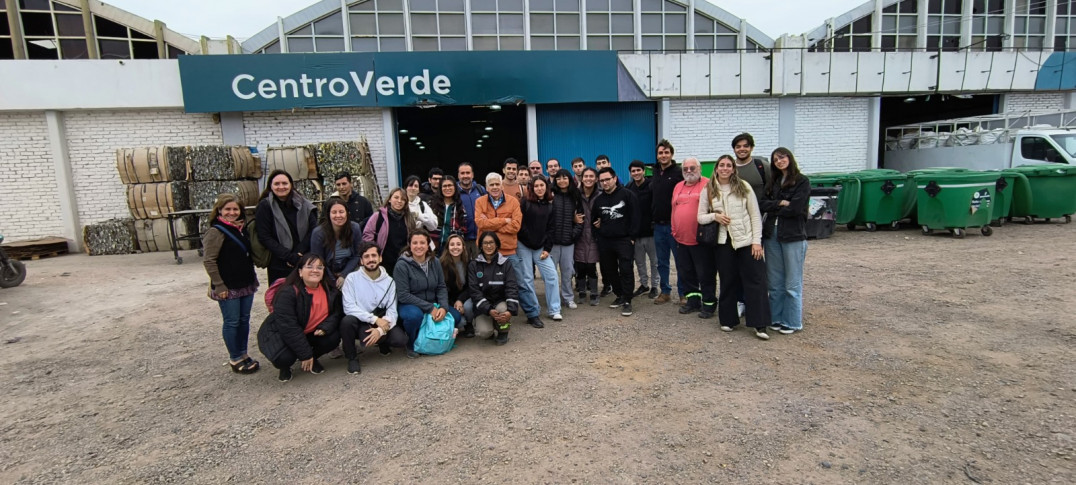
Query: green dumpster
x=955, y=201
x=825, y=179
x=1050, y=192
x=1004, y=188
x=875, y=198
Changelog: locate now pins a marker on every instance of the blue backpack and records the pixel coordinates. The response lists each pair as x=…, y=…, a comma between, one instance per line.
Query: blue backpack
x=435, y=338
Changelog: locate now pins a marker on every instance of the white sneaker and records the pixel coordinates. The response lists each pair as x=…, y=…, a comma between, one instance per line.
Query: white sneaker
x=572, y=305
x=726, y=328
x=556, y=317
x=740, y=307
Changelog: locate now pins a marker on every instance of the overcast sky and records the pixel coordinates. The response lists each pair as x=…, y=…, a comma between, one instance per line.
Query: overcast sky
x=244, y=18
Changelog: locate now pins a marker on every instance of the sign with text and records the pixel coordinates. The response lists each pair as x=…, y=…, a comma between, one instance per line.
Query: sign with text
x=263, y=82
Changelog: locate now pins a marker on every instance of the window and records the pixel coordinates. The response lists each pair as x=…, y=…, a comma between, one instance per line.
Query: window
x=664, y=25
x=1037, y=148
x=117, y=41
x=7, y=51
x=610, y=24
x=1029, y=24
x=556, y=25
x=498, y=24
x=378, y=25
x=52, y=30
x=1067, y=143
x=323, y=35
x=899, y=26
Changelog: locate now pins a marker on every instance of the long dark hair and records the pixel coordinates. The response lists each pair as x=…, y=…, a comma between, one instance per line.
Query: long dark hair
x=596, y=188
x=327, y=226
x=297, y=281
x=269, y=183
x=438, y=202
x=448, y=262
x=496, y=239
x=548, y=197
x=572, y=191
x=793, y=170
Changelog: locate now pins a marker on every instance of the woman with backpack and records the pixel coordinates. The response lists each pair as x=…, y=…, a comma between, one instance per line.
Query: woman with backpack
x=451, y=215
x=388, y=228
x=586, y=247
x=305, y=320
x=567, y=227
x=491, y=283
x=424, y=216
x=232, y=280
x=454, y=263
x=785, y=240
x=284, y=220
x=336, y=240
x=731, y=203
x=421, y=289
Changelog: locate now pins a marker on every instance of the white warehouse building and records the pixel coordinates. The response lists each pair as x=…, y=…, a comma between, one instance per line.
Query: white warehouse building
x=530, y=79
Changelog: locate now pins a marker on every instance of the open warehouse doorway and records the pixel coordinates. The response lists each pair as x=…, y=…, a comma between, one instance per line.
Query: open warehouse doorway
x=444, y=136
x=904, y=110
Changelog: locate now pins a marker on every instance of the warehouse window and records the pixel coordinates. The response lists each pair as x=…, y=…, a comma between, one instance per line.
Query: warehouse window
x=664, y=25
x=899, y=26
x=1065, y=27
x=555, y=25
x=711, y=34
x=987, y=25
x=610, y=25
x=116, y=41
x=7, y=51
x=1029, y=24
x=377, y=25
x=438, y=25
x=51, y=30
x=498, y=24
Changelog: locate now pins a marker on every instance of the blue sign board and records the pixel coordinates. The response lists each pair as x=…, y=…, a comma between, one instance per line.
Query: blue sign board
x=262, y=82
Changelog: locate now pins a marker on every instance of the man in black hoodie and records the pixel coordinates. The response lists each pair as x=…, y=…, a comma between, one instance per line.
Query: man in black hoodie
x=644, y=237
x=616, y=220
x=666, y=175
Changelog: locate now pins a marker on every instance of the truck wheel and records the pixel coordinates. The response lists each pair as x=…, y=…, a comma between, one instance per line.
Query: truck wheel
x=871, y=227
x=986, y=230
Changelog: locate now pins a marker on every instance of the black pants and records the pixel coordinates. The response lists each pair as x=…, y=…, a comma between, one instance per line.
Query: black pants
x=617, y=259
x=322, y=345
x=696, y=266
x=354, y=330
x=739, y=271
x=586, y=277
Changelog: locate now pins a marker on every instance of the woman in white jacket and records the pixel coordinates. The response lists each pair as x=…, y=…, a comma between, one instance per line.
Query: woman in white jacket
x=424, y=216
x=730, y=202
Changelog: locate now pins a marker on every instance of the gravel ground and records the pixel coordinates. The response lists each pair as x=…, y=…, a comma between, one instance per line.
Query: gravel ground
x=924, y=360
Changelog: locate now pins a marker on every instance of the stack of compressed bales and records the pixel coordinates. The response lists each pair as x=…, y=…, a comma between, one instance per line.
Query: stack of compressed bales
x=114, y=236
x=157, y=180
x=300, y=163
x=219, y=169
x=353, y=158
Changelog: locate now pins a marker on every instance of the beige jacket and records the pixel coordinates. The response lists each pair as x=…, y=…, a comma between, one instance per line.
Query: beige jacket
x=746, y=226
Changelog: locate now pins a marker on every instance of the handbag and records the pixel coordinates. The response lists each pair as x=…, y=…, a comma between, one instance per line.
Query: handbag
x=435, y=338
x=707, y=234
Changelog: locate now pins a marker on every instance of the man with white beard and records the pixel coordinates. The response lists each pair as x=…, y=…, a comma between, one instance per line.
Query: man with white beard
x=690, y=256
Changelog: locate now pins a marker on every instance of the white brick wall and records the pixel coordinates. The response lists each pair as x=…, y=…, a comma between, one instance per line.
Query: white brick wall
x=94, y=136
x=831, y=134
x=278, y=128
x=27, y=178
x=704, y=128
x=1034, y=101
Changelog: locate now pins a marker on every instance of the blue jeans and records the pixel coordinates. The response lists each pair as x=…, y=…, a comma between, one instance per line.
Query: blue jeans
x=549, y=276
x=410, y=316
x=784, y=269
x=664, y=242
x=236, y=329
x=528, y=299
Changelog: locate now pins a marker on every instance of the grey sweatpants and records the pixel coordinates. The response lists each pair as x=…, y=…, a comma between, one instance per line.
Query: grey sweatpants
x=644, y=248
x=564, y=259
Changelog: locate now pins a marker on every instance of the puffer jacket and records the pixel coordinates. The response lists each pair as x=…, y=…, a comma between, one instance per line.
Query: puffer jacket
x=490, y=283
x=586, y=247
x=790, y=221
x=565, y=230
x=537, y=225
x=745, y=227
x=285, y=327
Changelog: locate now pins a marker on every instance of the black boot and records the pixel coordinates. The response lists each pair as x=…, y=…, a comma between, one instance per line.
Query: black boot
x=468, y=330
x=708, y=310
x=502, y=337
x=694, y=304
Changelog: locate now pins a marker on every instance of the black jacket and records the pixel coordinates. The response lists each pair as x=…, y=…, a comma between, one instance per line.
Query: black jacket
x=282, y=256
x=233, y=261
x=618, y=212
x=662, y=184
x=645, y=195
x=565, y=230
x=537, y=227
x=790, y=221
x=284, y=328
x=491, y=283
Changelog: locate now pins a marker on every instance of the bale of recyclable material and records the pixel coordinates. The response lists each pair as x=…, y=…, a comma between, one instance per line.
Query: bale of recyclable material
x=114, y=236
x=149, y=165
x=204, y=194
x=223, y=163
x=152, y=234
x=298, y=161
x=154, y=201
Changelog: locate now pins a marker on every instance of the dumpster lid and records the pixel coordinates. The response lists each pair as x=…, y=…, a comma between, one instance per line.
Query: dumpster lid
x=1047, y=170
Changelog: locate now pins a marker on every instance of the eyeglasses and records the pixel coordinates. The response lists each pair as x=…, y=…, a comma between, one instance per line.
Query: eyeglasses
x=489, y=243
x=610, y=179
x=691, y=169
x=314, y=268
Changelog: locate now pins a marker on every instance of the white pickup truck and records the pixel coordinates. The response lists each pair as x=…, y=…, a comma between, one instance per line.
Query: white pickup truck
x=984, y=142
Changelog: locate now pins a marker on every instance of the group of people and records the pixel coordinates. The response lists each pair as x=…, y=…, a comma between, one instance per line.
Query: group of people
x=453, y=248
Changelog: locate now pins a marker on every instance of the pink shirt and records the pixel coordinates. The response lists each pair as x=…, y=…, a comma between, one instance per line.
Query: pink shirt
x=685, y=211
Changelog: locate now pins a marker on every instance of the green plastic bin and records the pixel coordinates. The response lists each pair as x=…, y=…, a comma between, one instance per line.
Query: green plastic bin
x=871, y=199
x=955, y=201
x=1050, y=192
x=825, y=179
x=1006, y=185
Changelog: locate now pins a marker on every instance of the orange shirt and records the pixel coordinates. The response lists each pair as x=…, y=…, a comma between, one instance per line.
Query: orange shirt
x=512, y=188
x=319, y=309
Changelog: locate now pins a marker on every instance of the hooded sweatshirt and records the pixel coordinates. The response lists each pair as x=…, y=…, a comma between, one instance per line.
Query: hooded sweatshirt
x=362, y=295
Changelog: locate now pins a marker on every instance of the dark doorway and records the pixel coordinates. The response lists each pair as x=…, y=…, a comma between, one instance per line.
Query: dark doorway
x=444, y=136
x=904, y=110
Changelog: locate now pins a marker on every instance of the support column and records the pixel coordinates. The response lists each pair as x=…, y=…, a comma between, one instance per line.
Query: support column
x=87, y=25
x=392, y=162
x=65, y=186
x=965, y=26
x=15, y=27
x=664, y=119
x=281, y=38
x=690, y=25
x=532, y=134
x=920, y=26
x=231, y=128
x=1051, y=26
x=345, y=16
x=158, y=33
x=1070, y=100
x=874, y=129
x=786, y=123
x=876, y=26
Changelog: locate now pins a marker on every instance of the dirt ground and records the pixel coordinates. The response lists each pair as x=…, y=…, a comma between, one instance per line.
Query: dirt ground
x=924, y=360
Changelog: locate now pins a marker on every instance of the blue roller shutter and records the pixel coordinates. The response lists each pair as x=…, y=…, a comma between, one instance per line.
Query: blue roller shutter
x=623, y=131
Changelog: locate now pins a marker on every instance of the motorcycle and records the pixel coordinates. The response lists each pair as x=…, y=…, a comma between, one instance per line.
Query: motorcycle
x=12, y=272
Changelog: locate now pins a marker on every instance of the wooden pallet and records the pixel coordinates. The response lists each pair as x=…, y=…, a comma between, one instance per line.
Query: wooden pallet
x=36, y=249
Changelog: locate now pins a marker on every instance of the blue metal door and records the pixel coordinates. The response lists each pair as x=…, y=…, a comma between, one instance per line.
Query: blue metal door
x=623, y=131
